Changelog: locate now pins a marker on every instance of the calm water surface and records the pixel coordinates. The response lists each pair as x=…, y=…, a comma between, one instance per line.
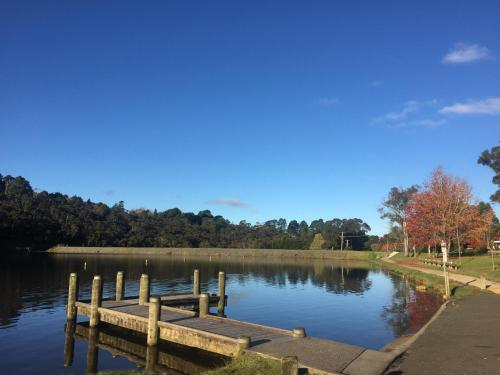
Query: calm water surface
x=347, y=302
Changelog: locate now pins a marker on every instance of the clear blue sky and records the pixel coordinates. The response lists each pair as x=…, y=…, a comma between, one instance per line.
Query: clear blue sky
x=254, y=110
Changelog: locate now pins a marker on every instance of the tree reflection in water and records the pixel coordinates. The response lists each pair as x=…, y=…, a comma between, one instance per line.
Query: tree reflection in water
x=410, y=309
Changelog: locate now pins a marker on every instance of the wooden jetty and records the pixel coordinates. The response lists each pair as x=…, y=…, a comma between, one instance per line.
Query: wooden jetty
x=152, y=316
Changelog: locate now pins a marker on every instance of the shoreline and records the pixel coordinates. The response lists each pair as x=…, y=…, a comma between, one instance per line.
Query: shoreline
x=394, y=349
x=219, y=252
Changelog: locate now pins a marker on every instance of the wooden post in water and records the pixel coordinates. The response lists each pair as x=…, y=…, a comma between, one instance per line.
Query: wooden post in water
x=203, y=305
x=154, y=315
x=151, y=359
x=222, y=293
x=290, y=365
x=120, y=286
x=92, y=351
x=69, y=343
x=72, y=296
x=95, y=301
x=299, y=332
x=144, y=289
x=196, y=282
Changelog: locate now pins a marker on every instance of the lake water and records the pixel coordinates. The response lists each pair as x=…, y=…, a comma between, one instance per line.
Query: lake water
x=348, y=302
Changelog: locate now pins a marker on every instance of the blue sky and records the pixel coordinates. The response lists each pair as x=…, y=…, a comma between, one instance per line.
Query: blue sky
x=254, y=110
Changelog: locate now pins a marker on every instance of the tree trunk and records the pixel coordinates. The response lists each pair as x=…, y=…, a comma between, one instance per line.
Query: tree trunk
x=429, y=250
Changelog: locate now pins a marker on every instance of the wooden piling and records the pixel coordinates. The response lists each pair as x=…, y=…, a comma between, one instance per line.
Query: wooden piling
x=244, y=342
x=203, y=305
x=299, y=332
x=196, y=282
x=151, y=359
x=290, y=365
x=95, y=301
x=144, y=289
x=120, y=286
x=222, y=293
x=72, y=296
x=92, y=351
x=69, y=343
x=154, y=316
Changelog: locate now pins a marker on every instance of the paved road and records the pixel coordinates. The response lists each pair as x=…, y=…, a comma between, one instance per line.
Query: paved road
x=464, y=339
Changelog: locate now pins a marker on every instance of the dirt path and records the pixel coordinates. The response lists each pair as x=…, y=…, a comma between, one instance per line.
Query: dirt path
x=464, y=339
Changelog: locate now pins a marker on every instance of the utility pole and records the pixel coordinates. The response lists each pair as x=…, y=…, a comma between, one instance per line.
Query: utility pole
x=341, y=241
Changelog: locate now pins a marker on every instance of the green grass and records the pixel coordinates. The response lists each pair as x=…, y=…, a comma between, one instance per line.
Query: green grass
x=473, y=265
x=480, y=265
x=121, y=372
x=249, y=365
x=241, y=365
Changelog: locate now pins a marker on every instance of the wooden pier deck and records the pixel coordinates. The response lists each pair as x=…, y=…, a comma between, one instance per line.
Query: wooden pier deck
x=228, y=337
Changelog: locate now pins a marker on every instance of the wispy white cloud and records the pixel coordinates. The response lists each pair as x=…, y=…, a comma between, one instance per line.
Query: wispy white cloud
x=376, y=83
x=490, y=106
x=231, y=202
x=428, y=122
x=326, y=102
x=411, y=113
x=466, y=53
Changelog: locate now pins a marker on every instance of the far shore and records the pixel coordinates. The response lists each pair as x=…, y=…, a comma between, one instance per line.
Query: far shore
x=219, y=252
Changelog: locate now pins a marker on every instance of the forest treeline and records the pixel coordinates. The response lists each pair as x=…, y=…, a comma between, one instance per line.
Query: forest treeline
x=39, y=220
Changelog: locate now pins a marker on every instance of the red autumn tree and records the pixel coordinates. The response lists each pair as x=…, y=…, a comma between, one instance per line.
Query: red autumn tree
x=443, y=212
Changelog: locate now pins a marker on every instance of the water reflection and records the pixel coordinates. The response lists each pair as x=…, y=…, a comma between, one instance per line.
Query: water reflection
x=410, y=309
x=40, y=281
x=164, y=358
x=348, y=302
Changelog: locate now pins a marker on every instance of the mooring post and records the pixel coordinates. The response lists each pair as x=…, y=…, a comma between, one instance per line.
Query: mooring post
x=69, y=343
x=92, y=351
x=144, y=289
x=196, y=282
x=203, y=305
x=222, y=293
x=299, y=332
x=244, y=342
x=154, y=315
x=72, y=296
x=290, y=365
x=95, y=301
x=482, y=282
x=151, y=359
x=120, y=286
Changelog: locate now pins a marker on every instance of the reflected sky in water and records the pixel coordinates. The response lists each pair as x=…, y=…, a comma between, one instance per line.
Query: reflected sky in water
x=347, y=302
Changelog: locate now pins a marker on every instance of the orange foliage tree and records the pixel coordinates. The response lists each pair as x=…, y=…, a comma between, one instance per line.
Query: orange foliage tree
x=443, y=212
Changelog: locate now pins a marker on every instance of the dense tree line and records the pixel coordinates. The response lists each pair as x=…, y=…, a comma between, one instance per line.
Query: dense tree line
x=39, y=220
